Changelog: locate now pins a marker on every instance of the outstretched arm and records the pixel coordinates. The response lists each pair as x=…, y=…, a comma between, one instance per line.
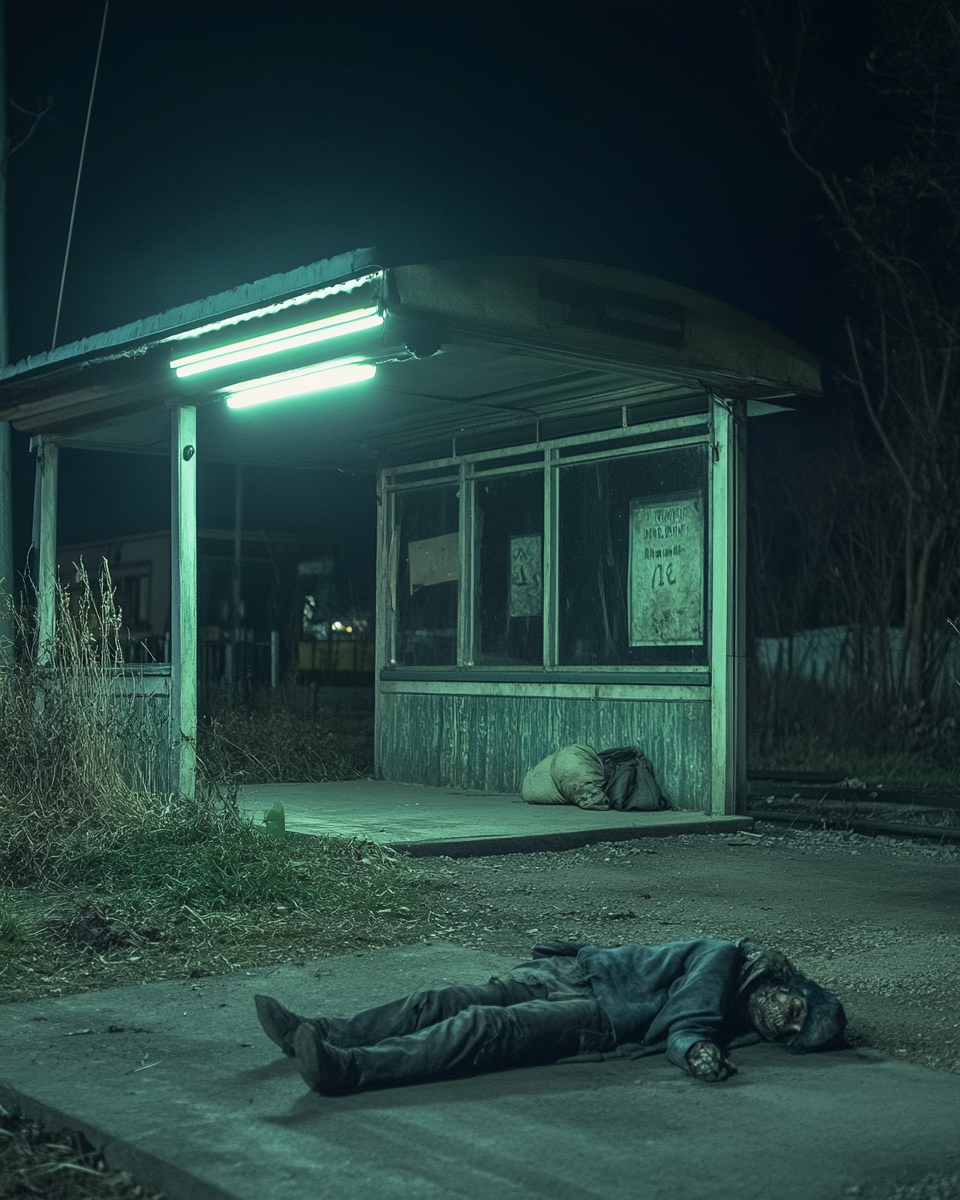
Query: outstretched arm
x=706, y=1061
x=696, y=1009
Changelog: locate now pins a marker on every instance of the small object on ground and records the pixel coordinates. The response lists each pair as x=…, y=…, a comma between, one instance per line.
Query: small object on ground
x=621, y=778
x=275, y=821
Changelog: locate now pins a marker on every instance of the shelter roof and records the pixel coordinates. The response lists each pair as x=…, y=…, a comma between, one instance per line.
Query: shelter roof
x=487, y=351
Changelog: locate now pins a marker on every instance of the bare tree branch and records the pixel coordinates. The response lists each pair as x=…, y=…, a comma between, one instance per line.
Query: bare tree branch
x=895, y=223
x=46, y=103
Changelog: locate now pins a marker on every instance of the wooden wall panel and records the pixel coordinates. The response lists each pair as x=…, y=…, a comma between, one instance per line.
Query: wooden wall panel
x=485, y=743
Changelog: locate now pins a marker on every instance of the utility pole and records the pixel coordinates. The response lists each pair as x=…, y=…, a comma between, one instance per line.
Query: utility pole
x=6, y=481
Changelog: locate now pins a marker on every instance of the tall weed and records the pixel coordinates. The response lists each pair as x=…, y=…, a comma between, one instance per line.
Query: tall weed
x=278, y=746
x=70, y=758
x=802, y=724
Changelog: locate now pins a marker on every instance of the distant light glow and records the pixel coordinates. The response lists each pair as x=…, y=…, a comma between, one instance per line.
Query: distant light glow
x=337, y=373
x=338, y=325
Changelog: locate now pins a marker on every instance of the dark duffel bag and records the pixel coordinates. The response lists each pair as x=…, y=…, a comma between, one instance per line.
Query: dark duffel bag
x=629, y=782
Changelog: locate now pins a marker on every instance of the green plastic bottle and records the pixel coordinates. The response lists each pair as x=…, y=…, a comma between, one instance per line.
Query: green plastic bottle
x=275, y=821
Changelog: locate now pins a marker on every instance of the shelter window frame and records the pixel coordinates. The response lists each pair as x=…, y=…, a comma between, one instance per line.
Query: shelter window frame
x=550, y=460
x=425, y=557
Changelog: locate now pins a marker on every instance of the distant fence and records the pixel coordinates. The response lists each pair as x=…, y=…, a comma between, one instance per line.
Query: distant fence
x=833, y=656
x=237, y=671
x=142, y=694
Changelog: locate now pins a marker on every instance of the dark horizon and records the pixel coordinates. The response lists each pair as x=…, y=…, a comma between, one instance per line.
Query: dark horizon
x=228, y=143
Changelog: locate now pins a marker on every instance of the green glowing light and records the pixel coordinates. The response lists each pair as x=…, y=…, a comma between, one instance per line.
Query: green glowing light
x=339, y=325
x=337, y=373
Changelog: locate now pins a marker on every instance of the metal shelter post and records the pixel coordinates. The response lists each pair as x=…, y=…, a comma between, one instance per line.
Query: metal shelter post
x=728, y=594
x=6, y=547
x=183, y=609
x=48, y=461
x=6, y=482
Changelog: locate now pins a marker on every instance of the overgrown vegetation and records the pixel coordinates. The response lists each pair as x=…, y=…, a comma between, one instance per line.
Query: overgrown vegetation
x=71, y=762
x=279, y=746
x=864, y=536
x=177, y=897
x=58, y=1166
x=884, y=545
x=795, y=723
x=107, y=879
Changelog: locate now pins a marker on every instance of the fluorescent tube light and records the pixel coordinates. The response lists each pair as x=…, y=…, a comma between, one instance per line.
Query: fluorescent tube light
x=337, y=373
x=339, y=325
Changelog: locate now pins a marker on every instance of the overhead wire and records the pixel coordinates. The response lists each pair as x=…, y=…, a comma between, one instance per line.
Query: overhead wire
x=76, y=190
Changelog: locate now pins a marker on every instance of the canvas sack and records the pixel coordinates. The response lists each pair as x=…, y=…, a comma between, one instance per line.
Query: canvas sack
x=572, y=775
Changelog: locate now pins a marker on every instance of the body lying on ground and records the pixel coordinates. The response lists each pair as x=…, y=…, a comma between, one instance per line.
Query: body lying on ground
x=693, y=1000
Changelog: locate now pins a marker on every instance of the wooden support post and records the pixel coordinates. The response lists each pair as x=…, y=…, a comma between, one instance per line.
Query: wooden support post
x=236, y=580
x=183, y=611
x=47, y=469
x=6, y=548
x=551, y=560
x=466, y=635
x=728, y=594
x=385, y=614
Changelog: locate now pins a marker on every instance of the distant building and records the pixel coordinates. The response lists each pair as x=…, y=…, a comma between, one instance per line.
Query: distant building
x=289, y=589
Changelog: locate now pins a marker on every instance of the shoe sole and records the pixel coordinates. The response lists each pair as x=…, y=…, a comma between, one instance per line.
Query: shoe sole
x=317, y=1063
x=270, y=1014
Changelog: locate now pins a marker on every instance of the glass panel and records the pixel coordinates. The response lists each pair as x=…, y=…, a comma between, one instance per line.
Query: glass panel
x=632, y=560
x=427, y=576
x=509, y=541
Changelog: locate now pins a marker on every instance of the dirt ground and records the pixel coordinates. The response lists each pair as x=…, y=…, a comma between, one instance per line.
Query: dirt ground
x=873, y=919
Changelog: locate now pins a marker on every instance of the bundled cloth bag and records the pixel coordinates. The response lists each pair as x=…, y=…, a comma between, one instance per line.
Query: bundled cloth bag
x=621, y=778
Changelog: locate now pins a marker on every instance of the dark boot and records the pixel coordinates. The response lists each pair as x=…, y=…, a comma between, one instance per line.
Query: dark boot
x=279, y=1023
x=324, y=1068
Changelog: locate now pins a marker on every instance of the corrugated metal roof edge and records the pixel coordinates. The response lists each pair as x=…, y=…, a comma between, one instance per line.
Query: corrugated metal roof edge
x=325, y=270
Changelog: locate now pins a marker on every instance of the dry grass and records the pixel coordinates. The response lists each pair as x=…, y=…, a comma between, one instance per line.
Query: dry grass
x=70, y=762
x=57, y=1166
x=107, y=881
x=189, y=904
x=928, y=815
x=236, y=746
x=798, y=724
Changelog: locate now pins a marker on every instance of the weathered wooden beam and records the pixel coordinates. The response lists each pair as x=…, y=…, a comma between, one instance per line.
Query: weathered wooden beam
x=466, y=632
x=48, y=469
x=183, y=613
x=6, y=547
x=728, y=592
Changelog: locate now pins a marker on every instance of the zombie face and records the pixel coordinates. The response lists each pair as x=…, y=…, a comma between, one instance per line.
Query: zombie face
x=777, y=1012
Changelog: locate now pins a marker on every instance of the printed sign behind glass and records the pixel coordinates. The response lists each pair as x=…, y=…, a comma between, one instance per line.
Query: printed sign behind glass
x=666, y=570
x=434, y=560
x=526, y=576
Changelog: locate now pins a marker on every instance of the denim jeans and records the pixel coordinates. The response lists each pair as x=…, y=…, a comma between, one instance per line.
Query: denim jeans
x=461, y=1030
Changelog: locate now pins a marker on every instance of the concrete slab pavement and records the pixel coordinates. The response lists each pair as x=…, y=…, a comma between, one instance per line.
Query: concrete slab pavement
x=178, y=1083
x=429, y=820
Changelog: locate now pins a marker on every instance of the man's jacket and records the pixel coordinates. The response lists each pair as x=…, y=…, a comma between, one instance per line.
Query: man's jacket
x=664, y=998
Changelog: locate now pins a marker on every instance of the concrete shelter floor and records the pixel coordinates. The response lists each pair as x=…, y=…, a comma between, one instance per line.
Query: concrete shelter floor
x=178, y=1084
x=425, y=820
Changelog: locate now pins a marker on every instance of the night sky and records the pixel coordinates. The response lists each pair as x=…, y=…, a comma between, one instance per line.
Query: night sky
x=233, y=140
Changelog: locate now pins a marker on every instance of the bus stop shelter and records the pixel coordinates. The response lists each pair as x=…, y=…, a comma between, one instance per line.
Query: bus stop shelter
x=559, y=450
